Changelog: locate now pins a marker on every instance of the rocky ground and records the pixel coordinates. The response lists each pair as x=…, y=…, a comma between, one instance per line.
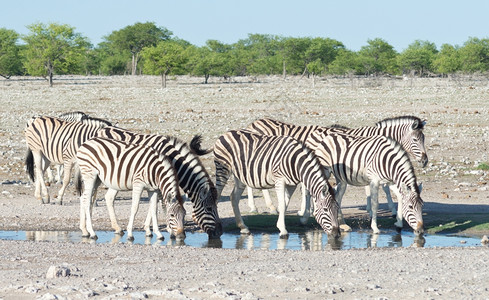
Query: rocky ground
x=457, y=134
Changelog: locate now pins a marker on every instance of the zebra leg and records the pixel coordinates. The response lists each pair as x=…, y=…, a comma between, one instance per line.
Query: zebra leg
x=388, y=195
x=68, y=163
x=369, y=200
x=304, y=205
x=235, y=195
x=251, y=200
x=268, y=201
x=306, y=201
x=282, y=206
x=109, y=202
x=49, y=173
x=137, y=190
x=374, y=196
x=59, y=174
x=85, y=208
x=340, y=191
x=398, y=223
x=40, y=165
x=153, y=215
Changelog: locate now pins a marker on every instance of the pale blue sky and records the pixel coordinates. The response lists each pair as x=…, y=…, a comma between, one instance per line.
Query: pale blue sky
x=348, y=21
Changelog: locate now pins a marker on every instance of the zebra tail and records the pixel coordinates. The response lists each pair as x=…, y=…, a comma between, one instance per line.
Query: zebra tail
x=29, y=164
x=78, y=182
x=195, y=146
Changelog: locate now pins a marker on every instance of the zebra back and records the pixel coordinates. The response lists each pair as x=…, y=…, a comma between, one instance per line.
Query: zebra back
x=119, y=165
x=57, y=139
x=269, y=126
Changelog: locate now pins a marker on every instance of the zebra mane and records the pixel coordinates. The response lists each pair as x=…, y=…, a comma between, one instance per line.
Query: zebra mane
x=95, y=121
x=399, y=148
x=73, y=116
x=185, y=150
x=417, y=122
x=339, y=126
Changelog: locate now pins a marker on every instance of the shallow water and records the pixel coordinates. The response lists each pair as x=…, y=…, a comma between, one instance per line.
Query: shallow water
x=312, y=240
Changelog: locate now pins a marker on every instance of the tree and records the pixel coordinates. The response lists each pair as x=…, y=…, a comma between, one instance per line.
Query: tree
x=474, y=55
x=321, y=52
x=418, y=57
x=346, y=62
x=447, y=60
x=163, y=58
x=133, y=38
x=378, y=57
x=10, y=62
x=54, y=48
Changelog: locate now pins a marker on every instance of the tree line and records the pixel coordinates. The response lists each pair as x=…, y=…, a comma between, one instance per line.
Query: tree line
x=145, y=48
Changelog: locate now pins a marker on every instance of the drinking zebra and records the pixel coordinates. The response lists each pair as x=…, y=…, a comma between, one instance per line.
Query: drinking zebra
x=122, y=167
x=192, y=176
x=407, y=130
x=54, y=140
x=371, y=161
x=264, y=162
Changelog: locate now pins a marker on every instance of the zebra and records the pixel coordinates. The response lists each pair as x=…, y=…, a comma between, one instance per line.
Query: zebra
x=371, y=161
x=75, y=116
x=263, y=161
x=54, y=140
x=407, y=130
x=193, y=178
x=121, y=167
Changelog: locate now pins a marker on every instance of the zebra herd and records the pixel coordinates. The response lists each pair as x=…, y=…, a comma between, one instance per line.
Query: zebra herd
x=267, y=154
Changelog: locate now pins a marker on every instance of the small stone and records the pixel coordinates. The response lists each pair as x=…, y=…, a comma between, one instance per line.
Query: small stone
x=485, y=240
x=56, y=271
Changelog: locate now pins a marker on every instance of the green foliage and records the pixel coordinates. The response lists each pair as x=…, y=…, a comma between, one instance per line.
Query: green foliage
x=346, y=62
x=378, y=57
x=131, y=40
x=447, y=60
x=10, y=60
x=54, y=48
x=59, y=49
x=483, y=166
x=418, y=57
x=474, y=55
x=162, y=59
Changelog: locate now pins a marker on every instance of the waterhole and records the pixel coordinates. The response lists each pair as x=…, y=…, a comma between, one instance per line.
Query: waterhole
x=314, y=240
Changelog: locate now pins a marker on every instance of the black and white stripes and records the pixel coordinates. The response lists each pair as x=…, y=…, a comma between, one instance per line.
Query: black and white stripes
x=52, y=140
x=122, y=166
x=192, y=176
x=282, y=162
x=371, y=161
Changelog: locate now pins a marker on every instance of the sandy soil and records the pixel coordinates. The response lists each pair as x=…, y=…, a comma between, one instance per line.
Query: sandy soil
x=457, y=135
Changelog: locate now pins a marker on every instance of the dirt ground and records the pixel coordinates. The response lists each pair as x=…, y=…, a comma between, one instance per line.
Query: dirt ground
x=457, y=135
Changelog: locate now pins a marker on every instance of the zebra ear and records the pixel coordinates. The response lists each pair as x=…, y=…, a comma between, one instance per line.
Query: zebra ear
x=420, y=187
x=415, y=124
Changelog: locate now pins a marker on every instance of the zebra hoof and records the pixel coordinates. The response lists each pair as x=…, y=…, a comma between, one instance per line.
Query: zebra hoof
x=119, y=232
x=284, y=236
x=130, y=238
x=94, y=237
x=245, y=231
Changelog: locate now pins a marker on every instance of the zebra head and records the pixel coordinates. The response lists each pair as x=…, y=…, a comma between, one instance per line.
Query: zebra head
x=205, y=213
x=412, y=208
x=175, y=216
x=414, y=143
x=326, y=211
x=409, y=132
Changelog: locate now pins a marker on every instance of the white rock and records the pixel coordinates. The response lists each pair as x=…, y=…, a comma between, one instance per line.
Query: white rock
x=57, y=271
